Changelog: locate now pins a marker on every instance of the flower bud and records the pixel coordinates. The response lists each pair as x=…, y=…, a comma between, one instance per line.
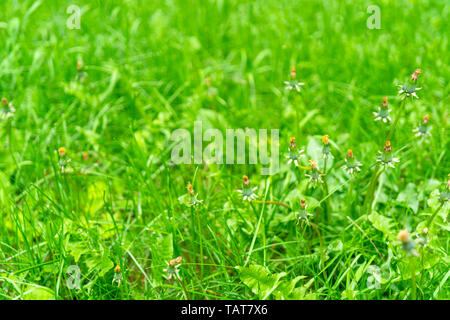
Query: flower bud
x=293, y=145
x=293, y=74
x=403, y=236
x=387, y=146
x=350, y=153
x=62, y=151
x=303, y=203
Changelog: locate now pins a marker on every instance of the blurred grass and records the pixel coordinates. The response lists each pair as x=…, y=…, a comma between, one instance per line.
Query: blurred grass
x=147, y=63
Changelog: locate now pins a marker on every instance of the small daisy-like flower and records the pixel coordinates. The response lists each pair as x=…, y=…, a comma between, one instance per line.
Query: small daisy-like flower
x=423, y=129
x=410, y=87
x=62, y=151
x=63, y=160
x=315, y=176
x=117, y=275
x=423, y=240
x=386, y=156
x=383, y=112
x=173, y=267
x=294, y=154
x=445, y=195
x=194, y=197
x=326, y=147
x=408, y=244
x=81, y=75
x=210, y=89
x=248, y=193
x=351, y=164
x=7, y=110
x=293, y=84
x=303, y=215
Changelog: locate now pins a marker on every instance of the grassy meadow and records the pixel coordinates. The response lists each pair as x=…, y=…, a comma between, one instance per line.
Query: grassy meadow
x=93, y=207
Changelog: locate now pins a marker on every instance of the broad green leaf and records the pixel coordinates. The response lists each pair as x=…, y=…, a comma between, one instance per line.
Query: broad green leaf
x=381, y=223
x=38, y=293
x=260, y=280
x=409, y=197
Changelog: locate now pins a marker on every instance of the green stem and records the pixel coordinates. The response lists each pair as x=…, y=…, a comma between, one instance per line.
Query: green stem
x=327, y=201
x=370, y=188
x=272, y=202
x=399, y=113
x=374, y=187
x=182, y=285
x=413, y=278
x=434, y=215
x=201, y=244
x=349, y=198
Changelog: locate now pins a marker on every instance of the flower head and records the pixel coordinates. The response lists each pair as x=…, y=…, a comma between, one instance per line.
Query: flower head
x=445, y=195
x=315, y=176
x=408, y=244
x=351, y=164
x=294, y=154
x=386, y=157
x=193, y=196
x=423, y=129
x=293, y=83
x=247, y=192
x=172, y=267
x=326, y=148
x=85, y=156
x=423, y=239
x=7, y=110
x=190, y=189
x=62, y=151
x=383, y=112
x=117, y=275
x=81, y=75
x=410, y=87
x=303, y=215
x=63, y=160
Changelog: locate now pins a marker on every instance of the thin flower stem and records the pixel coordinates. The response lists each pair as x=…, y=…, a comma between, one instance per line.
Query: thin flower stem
x=371, y=190
x=182, y=285
x=327, y=201
x=349, y=197
x=272, y=202
x=250, y=251
x=430, y=220
x=201, y=242
x=413, y=278
x=397, y=117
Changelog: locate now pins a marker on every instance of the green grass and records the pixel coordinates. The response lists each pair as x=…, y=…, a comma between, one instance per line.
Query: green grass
x=147, y=64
